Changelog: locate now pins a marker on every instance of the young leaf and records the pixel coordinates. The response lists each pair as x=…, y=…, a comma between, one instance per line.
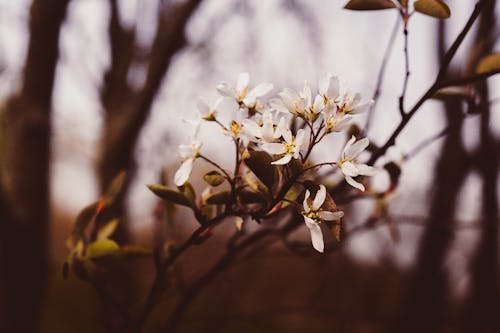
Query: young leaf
x=214, y=178
x=489, y=63
x=188, y=191
x=169, y=194
x=259, y=163
x=434, y=8
x=107, y=230
x=83, y=219
x=369, y=4
x=115, y=187
x=251, y=197
x=101, y=248
x=219, y=198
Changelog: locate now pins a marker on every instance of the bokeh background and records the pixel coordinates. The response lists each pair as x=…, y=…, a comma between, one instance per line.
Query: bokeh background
x=114, y=96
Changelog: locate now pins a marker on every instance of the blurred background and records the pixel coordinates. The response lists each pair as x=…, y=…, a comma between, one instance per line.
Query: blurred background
x=92, y=87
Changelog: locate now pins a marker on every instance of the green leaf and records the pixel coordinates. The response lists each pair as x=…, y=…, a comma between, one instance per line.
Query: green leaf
x=369, y=4
x=489, y=63
x=219, y=198
x=83, y=219
x=107, y=230
x=214, y=178
x=115, y=187
x=169, y=194
x=102, y=248
x=259, y=162
x=434, y=8
x=188, y=191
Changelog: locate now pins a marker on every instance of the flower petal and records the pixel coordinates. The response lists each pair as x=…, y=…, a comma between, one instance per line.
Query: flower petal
x=284, y=160
x=354, y=183
x=242, y=82
x=349, y=169
x=356, y=148
x=366, y=170
x=305, y=203
x=330, y=216
x=261, y=89
x=203, y=107
x=348, y=145
x=274, y=148
x=184, y=171
x=316, y=234
x=225, y=90
x=319, y=198
x=360, y=108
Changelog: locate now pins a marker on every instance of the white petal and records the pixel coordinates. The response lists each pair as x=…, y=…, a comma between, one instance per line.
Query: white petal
x=319, y=198
x=330, y=216
x=316, y=234
x=305, y=203
x=242, y=82
x=342, y=124
x=185, y=151
x=274, y=148
x=261, y=89
x=333, y=88
x=203, y=107
x=251, y=128
x=354, y=183
x=348, y=145
x=183, y=173
x=287, y=135
x=366, y=170
x=280, y=128
x=225, y=90
x=306, y=93
x=284, y=160
x=300, y=139
x=267, y=128
x=318, y=104
x=360, y=108
x=349, y=169
x=357, y=148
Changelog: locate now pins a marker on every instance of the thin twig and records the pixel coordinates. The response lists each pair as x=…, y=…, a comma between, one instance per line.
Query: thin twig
x=407, y=72
x=433, y=88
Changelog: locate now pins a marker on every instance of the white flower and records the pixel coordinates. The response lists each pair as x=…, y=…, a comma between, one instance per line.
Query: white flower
x=328, y=88
x=208, y=112
x=349, y=164
x=351, y=104
x=263, y=129
x=290, y=101
x=313, y=108
x=335, y=121
x=313, y=216
x=289, y=148
x=188, y=154
x=242, y=94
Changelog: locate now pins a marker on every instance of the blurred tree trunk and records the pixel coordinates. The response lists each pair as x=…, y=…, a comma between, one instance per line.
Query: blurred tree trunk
x=26, y=147
x=127, y=108
x=425, y=303
x=482, y=304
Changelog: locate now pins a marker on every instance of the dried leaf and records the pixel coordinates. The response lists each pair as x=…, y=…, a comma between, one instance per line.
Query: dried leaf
x=489, y=63
x=370, y=4
x=259, y=162
x=434, y=8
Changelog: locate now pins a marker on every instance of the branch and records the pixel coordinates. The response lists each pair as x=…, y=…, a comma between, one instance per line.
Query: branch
x=407, y=73
x=434, y=87
x=468, y=79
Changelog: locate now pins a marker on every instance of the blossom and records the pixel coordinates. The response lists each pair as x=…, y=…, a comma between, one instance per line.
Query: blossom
x=349, y=164
x=335, y=121
x=291, y=102
x=242, y=93
x=351, y=104
x=263, y=129
x=328, y=87
x=289, y=148
x=313, y=107
x=188, y=154
x=208, y=112
x=314, y=215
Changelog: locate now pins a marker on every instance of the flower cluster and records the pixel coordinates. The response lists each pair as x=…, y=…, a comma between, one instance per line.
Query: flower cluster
x=274, y=141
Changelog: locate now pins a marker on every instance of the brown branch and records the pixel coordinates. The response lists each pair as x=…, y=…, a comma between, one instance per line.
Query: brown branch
x=433, y=88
